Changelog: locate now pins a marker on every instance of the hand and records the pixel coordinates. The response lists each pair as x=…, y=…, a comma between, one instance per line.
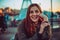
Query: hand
x=43, y=25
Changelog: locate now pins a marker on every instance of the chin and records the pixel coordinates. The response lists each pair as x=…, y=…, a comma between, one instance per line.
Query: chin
x=34, y=20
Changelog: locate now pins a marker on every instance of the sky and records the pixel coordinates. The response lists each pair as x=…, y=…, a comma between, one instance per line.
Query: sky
x=45, y=4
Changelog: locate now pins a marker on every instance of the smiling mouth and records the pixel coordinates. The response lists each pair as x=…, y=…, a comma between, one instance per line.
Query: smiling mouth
x=34, y=17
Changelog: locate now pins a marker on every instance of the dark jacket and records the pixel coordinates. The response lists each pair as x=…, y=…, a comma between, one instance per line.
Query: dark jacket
x=2, y=21
x=20, y=35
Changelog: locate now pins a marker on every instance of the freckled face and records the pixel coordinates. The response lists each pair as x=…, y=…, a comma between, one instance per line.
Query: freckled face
x=34, y=14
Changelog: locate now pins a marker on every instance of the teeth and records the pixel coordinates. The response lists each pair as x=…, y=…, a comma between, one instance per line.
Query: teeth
x=35, y=17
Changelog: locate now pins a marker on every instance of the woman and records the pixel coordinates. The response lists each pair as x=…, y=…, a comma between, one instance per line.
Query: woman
x=7, y=15
x=34, y=26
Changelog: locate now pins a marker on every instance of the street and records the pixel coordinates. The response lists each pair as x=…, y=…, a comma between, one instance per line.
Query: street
x=11, y=31
x=9, y=35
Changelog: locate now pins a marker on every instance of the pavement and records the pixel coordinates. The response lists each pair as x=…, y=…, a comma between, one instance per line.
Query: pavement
x=9, y=34
x=11, y=31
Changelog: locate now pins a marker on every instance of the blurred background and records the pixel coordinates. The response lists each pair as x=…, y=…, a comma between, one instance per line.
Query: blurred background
x=14, y=11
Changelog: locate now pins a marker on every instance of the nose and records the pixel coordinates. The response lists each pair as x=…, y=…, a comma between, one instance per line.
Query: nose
x=34, y=13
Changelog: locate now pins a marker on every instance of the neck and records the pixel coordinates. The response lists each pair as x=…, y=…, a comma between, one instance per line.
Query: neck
x=35, y=23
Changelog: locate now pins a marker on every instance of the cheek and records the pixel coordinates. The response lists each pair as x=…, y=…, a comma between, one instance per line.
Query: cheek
x=30, y=15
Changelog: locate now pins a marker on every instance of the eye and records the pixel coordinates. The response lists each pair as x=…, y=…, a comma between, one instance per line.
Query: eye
x=36, y=11
x=31, y=11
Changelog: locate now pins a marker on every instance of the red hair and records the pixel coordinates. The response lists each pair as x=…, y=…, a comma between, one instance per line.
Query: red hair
x=28, y=26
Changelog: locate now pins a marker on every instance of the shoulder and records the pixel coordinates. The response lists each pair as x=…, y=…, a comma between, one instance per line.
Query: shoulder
x=20, y=23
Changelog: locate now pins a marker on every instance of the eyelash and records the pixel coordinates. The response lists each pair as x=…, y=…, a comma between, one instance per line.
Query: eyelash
x=35, y=11
x=31, y=11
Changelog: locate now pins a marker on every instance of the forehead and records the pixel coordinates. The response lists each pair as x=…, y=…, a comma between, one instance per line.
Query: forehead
x=34, y=8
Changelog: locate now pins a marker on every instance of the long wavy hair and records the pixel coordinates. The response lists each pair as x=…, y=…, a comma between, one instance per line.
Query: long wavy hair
x=28, y=24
